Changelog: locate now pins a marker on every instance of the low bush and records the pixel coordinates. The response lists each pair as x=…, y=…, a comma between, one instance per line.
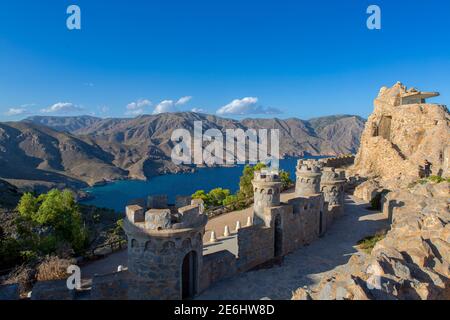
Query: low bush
x=368, y=243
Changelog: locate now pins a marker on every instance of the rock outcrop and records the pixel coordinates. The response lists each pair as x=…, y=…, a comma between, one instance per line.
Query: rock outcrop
x=411, y=262
x=402, y=133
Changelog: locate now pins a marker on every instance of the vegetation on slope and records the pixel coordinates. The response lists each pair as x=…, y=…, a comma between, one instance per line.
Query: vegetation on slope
x=368, y=243
x=41, y=235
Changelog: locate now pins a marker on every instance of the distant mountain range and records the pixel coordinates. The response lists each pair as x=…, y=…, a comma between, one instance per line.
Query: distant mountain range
x=43, y=152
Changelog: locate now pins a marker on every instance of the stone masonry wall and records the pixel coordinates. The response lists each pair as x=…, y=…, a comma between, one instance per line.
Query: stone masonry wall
x=302, y=227
x=113, y=286
x=159, y=260
x=256, y=246
x=338, y=162
x=217, y=266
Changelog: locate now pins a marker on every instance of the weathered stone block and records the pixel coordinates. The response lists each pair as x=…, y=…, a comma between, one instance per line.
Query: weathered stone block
x=135, y=213
x=112, y=286
x=157, y=219
x=189, y=214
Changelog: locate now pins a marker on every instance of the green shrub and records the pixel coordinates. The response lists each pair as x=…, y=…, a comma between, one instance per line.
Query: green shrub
x=368, y=243
x=245, y=182
x=217, y=196
x=432, y=179
x=57, y=216
x=436, y=179
x=10, y=254
x=213, y=198
x=285, y=179
x=201, y=194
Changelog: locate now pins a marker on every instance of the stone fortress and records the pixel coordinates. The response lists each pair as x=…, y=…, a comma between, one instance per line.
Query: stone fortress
x=166, y=258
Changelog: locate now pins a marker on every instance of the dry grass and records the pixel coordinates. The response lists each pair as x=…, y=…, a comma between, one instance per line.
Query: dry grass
x=52, y=268
x=23, y=275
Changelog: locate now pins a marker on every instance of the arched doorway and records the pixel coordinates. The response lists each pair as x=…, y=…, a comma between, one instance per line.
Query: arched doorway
x=189, y=275
x=278, y=238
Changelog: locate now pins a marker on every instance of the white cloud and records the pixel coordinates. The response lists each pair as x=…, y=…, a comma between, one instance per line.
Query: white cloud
x=247, y=105
x=141, y=103
x=15, y=111
x=198, y=110
x=171, y=105
x=62, y=107
x=165, y=106
x=137, y=107
x=183, y=100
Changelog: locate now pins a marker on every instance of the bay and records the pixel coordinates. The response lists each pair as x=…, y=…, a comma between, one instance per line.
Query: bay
x=116, y=195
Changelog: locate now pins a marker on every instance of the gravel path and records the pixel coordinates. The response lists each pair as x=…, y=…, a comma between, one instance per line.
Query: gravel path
x=308, y=265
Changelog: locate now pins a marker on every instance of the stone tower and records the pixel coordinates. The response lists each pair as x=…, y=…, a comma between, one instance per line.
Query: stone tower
x=332, y=186
x=165, y=251
x=308, y=178
x=267, y=189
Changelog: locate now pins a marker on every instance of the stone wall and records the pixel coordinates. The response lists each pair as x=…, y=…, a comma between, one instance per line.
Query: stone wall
x=113, y=286
x=256, y=246
x=368, y=190
x=303, y=225
x=217, y=266
x=338, y=162
x=159, y=260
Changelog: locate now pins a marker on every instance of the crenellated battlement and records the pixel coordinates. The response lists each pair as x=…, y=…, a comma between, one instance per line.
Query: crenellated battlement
x=156, y=220
x=308, y=178
x=266, y=176
x=266, y=193
x=332, y=176
x=338, y=162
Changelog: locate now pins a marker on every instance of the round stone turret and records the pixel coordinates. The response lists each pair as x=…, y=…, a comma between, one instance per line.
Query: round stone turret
x=332, y=186
x=165, y=250
x=308, y=178
x=266, y=189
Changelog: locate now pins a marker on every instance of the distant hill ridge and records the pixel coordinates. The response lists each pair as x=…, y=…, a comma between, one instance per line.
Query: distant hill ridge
x=80, y=151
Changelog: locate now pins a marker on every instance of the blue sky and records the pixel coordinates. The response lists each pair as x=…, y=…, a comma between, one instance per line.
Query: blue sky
x=276, y=58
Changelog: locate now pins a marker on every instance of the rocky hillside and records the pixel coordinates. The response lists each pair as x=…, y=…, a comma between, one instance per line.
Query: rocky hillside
x=79, y=151
x=401, y=135
x=66, y=124
x=9, y=195
x=39, y=157
x=411, y=260
x=410, y=263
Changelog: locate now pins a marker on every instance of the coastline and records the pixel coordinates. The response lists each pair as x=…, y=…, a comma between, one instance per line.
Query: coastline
x=180, y=183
